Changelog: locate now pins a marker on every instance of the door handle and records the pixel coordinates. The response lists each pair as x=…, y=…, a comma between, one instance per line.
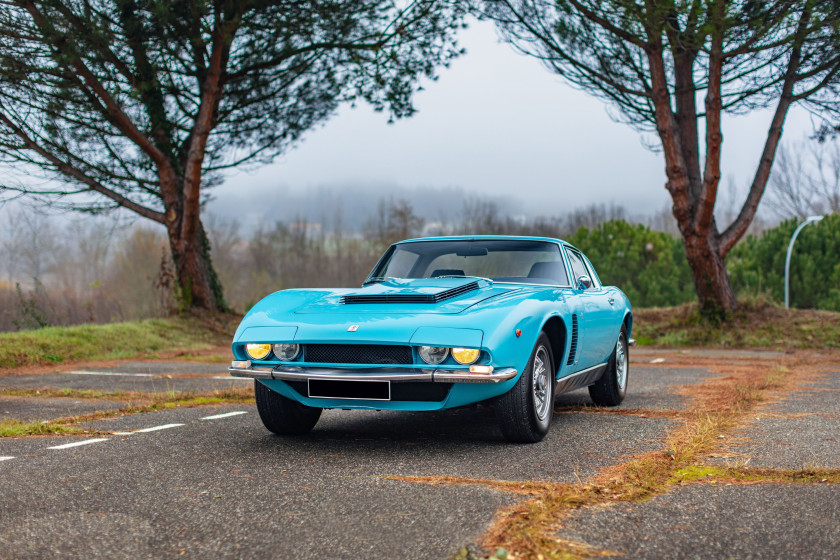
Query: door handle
x=612, y=301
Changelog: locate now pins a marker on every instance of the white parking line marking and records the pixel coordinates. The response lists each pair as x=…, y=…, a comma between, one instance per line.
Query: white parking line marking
x=225, y=415
x=110, y=373
x=121, y=433
x=78, y=443
x=156, y=428
x=5, y=458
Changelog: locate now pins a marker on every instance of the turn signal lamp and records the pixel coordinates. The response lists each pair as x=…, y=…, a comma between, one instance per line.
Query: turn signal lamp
x=258, y=351
x=465, y=356
x=481, y=369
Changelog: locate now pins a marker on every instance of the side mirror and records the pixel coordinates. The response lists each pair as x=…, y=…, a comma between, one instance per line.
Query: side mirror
x=584, y=282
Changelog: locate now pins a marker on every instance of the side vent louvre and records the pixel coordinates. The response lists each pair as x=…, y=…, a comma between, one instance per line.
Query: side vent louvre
x=410, y=298
x=573, y=348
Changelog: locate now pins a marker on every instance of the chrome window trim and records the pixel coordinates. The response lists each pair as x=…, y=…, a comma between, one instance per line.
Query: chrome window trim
x=533, y=284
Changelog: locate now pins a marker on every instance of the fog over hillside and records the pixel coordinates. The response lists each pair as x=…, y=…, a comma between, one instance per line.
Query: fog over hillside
x=351, y=206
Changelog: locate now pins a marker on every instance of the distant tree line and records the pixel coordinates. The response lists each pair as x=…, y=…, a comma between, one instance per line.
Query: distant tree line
x=104, y=271
x=81, y=272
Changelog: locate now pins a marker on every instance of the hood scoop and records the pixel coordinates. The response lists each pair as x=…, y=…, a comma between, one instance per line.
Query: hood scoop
x=416, y=297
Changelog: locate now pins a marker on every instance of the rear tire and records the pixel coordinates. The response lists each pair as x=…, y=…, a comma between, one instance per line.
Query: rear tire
x=611, y=388
x=524, y=412
x=281, y=415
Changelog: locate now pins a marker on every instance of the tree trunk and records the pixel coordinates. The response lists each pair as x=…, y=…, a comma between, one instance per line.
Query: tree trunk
x=711, y=280
x=199, y=286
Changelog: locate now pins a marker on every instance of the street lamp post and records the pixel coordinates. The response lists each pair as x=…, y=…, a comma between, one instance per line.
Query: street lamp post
x=808, y=220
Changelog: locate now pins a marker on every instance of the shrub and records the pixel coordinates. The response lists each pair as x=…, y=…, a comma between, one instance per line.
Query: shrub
x=757, y=264
x=649, y=266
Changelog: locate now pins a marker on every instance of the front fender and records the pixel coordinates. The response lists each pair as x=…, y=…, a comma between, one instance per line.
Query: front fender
x=529, y=317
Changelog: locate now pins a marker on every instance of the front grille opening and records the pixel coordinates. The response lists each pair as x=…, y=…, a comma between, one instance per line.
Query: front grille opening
x=380, y=354
x=363, y=390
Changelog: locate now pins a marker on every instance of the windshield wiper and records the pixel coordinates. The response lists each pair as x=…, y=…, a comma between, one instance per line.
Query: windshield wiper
x=376, y=280
x=462, y=276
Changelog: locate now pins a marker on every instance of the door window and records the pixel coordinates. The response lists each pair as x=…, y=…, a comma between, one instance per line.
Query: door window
x=578, y=266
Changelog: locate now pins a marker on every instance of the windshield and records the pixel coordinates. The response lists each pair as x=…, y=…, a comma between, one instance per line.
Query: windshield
x=501, y=260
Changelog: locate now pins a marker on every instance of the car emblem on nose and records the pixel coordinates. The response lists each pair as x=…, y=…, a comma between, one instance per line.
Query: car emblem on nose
x=352, y=328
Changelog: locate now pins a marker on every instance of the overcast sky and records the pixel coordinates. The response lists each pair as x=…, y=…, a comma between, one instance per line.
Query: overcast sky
x=498, y=122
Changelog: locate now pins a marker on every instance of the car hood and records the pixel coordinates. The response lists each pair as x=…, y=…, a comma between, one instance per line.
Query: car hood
x=406, y=296
x=336, y=315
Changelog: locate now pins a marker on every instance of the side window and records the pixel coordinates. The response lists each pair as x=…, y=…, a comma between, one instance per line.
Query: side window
x=596, y=281
x=578, y=266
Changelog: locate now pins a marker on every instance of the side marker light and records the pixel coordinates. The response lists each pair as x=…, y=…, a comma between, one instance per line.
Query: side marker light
x=518, y=333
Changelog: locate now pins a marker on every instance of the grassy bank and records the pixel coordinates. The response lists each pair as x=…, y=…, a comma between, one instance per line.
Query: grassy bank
x=151, y=338
x=756, y=324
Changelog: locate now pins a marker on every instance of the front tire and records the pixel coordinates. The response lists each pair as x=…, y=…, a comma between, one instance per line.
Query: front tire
x=281, y=415
x=524, y=412
x=611, y=388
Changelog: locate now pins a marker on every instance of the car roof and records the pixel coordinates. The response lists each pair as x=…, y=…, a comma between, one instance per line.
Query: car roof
x=481, y=237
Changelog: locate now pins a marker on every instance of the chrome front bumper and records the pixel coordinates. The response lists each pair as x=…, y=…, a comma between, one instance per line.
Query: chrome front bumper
x=286, y=373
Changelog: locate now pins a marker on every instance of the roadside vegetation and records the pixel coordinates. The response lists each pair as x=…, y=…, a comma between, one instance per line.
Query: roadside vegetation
x=757, y=323
x=152, y=338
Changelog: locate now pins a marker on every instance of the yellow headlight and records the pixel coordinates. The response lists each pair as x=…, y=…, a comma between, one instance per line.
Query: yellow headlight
x=258, y=351
x=465, y=355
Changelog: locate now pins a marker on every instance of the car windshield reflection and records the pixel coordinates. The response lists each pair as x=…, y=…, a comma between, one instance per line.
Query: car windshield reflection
x=501, y=260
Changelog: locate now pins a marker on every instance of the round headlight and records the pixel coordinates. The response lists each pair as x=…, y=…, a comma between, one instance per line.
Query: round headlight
x=258, y=351
x=286, y=351
x=433, y=354
x=465, y=356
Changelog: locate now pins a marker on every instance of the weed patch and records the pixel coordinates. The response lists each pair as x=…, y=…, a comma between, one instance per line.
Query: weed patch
x=12, y=427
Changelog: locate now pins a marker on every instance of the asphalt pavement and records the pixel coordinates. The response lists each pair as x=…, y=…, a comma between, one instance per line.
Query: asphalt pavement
x=802, y=431
x=707, y=522
x=796, y=430
x=211, y=482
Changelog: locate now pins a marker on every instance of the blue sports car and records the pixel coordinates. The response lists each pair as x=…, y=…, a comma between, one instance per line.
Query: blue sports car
x=439, y=323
